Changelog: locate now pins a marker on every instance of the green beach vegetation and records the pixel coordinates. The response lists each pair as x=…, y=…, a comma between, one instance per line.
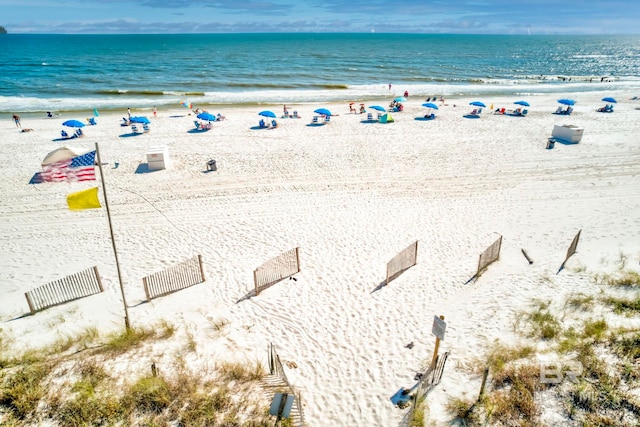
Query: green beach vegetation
x=89, y=379
x=569, y=362
x=2, y=30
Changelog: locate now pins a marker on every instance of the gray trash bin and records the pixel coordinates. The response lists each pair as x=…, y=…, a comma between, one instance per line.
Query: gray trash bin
x=211, y=165
x=550, y=143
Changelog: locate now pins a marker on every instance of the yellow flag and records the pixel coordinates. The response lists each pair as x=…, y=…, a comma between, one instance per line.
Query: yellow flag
x=85, y=199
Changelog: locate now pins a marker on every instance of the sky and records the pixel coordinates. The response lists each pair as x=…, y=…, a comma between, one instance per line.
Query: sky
x=342, y=16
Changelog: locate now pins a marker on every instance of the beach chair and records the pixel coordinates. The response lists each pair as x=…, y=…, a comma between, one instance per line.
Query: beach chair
x=274, y=123
x=327, y=119
x=558, y=111
x=474, y=112
x=262, y=124
x=314, y=120
x=197, y=125
x=65, y=135
x=524, y=112
x=145, y=127
x=92, y=121
x=568, y=111
x=134, y=129
x=125, y=122
x=79, y=133
x=295, y=115
x=379, y=116
x=370, y=117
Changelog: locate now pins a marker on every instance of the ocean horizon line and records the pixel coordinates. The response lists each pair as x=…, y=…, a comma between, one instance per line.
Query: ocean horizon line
x=67, y=73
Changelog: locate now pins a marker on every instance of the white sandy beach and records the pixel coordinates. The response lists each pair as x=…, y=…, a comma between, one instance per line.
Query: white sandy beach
x=351, y=195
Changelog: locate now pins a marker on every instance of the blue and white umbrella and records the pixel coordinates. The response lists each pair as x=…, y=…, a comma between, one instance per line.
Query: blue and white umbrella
x=377, y=107
x=73, y=124
x=609, y=99
x=430, y=105
x=267, y=113
x=566, y=101
x=400, y=99
x=523, y=103
x=142, y=120
x=206, y=116
x=323, y=111
x=478, y=104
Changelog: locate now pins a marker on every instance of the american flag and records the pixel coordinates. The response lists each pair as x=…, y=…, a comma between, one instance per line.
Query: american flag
x=79, y=168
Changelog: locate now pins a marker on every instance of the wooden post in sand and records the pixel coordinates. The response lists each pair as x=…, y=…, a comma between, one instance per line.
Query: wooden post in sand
x=484, y=382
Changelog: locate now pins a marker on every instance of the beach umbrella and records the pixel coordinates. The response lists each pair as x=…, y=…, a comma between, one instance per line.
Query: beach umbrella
x=137, y=119
x=323, y=111
x=208, y=116
x=566, y=101
x=430, y=105
x=377, y=107
x=62, y=153
x=478, y=104
x=609, y=99
x=400, y=99
x=73, y=124
x=523, y=103
x=267, y=113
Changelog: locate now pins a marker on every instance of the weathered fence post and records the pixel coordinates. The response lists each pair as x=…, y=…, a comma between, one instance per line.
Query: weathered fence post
x=31, y=308
x=201, y=267
x=95, y=271
x=484, y=382
x=146, y=288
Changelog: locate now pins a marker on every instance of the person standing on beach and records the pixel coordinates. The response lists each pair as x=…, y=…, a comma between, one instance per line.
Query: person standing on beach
x=129, y=112
x=155, y=112
x=16, y=119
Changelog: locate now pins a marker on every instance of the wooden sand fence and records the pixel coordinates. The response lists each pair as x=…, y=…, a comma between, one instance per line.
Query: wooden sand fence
x=428, y=381
x=276, y=368
x=491, y=254
x=69, y=288
x=276, y=269
x=572, y=249
x=175, y=278
x=404, y=260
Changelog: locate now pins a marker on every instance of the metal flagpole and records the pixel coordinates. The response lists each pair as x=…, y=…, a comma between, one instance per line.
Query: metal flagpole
x=113, y=241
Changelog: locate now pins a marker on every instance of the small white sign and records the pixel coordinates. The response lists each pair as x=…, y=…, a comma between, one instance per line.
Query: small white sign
x=439, y=327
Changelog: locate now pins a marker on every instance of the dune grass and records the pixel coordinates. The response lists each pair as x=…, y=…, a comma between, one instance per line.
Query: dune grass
x=599, y=367
x=68, y=383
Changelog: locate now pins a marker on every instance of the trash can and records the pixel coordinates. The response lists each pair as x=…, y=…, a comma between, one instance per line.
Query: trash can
x=550, y=143
x=211, y=165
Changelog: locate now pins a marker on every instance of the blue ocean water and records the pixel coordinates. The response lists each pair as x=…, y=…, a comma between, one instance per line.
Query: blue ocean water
x=110, y=72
